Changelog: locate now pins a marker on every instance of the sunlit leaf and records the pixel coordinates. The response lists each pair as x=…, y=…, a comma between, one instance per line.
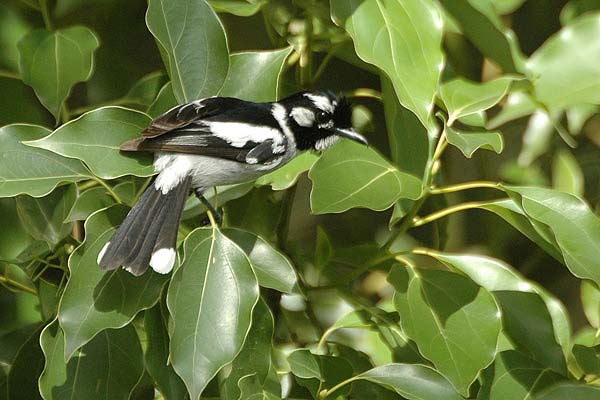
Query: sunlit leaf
x=108, y=367
x=518, y=104
x=315, y=371
x=164, y=101
x=590, y=299
x=202, y=341
x=193, y=40
x=95, y=138
x=566, y=173
x=89, y=201
x=403, y=38
x=287, y=176
x=145, y=90
x=469, y=142
x=241, y=8
x=93, y=300
x=571, y=391
x=351, y=175
x=27, y=170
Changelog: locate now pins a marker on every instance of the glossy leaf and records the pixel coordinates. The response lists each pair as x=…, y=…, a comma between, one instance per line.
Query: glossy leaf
x=515, y=376
x=566, y=173
x=194, y=44
x=145, y=90
x=517, y=105
x=255, y=356
x=202, y=341
x=588, y=358
x=469, y=142
x=273, y=269
x=156, y=356
x=241, y=8
x=16, y=244
x=95, y=138
x=44, y=217
x=403, y=38
x=88, y=202
x=414, y=382
x=164, y=101
x=454, y=322
x=463, y=98
x=571, y=391
x=39, y=171
x=108, y=367
x=560, y=68
x=573, y=224
x=351, y=175
x=315, y=371
x=93, y=300
x=576, y=8
x=528, y=324
x=265, y=68
x=590, y=299
x=287, y=176
x=52, y=62
x=480, y=23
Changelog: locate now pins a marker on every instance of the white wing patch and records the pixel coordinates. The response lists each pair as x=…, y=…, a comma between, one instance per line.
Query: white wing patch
x=322, y=102
x=162, y=260
x=303, y=116
x=238, y=134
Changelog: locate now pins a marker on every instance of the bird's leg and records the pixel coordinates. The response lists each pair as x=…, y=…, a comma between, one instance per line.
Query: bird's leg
x=209, y=207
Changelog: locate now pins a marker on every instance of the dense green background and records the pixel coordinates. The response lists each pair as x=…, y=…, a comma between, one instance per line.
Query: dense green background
x=458, y=256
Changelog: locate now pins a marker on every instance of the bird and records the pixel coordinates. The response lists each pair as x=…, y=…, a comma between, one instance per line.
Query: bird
x=210, y=142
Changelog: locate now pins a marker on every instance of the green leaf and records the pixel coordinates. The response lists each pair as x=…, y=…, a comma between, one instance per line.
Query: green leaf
x=566, y=173
x=265, y=68
x=518, y=104
x=217, y=197
x=469, y=142
x=528, y=324
x=156, y=356
x=194, y=44
x=145, y=90
x=255, y=356
x=573, y=224
x=202, y=341
x=515, y=376
x=315, y=371
x=25, y=370
x=287, y=176
x=44, y=217
x=40, y=171
x=273, y=269
x=571, y=391
x=463, y=98
x=52, y=62
x=109, y=367
x=495, y=275
x=480, y=23
x=241, y=8
x=351, y=175
x=588, y=358
x=414, y=382
x=561, y=70
x=408, y=139
x=94, y=301
x=251, y=389
x=454, y=322
x=16, y=244
x=590, y=299
x=403, y=38
x=95, y=138
x=323, y=249
x=504, y=7
x=165, y=100
x=575, y=8
x=89, y=201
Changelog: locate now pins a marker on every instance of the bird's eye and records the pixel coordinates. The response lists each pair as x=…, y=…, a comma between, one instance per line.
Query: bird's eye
x=322, y=117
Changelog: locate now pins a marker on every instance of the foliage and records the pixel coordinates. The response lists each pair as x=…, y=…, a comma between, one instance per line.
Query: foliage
x=362, y=278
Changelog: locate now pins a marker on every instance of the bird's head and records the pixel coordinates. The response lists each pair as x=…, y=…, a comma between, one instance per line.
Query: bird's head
x=318, y=119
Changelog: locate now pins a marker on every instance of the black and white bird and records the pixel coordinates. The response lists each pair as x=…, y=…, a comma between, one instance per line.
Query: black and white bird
x=210, y=142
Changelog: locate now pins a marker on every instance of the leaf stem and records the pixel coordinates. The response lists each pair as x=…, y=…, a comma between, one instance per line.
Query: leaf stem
x=46, y=15
x=365, y=92
x=359, y=271
x=9, y=74
x=19, y=286
x=416, y=221
x=326, y=392
x=109, y=190
x=464, y=186
x=406, y=222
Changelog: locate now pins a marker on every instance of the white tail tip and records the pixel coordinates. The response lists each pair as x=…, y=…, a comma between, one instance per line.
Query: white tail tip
x=162, y=260
x=101, y=254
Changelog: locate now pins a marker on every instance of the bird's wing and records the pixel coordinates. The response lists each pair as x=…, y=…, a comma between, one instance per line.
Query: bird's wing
x=203, y=143
x=182, y=115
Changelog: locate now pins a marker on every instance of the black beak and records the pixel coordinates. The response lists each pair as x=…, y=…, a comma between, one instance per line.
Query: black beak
x=352, y=135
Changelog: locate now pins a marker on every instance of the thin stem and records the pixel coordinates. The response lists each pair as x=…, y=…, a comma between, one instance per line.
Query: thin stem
x=365, y=92
x=464, y=186
x=7, y=281
x=109, y=190
x=326, y=392
x=9, y=74
x=359, y=271
x=447, y=211
x=406, y=222
x=87, y=184
x=46, y=14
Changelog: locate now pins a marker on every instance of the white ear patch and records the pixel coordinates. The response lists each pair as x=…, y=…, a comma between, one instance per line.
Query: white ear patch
x=303, y=116
x=162, y=260
x=322, y=102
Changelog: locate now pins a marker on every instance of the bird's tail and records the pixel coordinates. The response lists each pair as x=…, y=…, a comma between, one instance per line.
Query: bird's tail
x=148, y=235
